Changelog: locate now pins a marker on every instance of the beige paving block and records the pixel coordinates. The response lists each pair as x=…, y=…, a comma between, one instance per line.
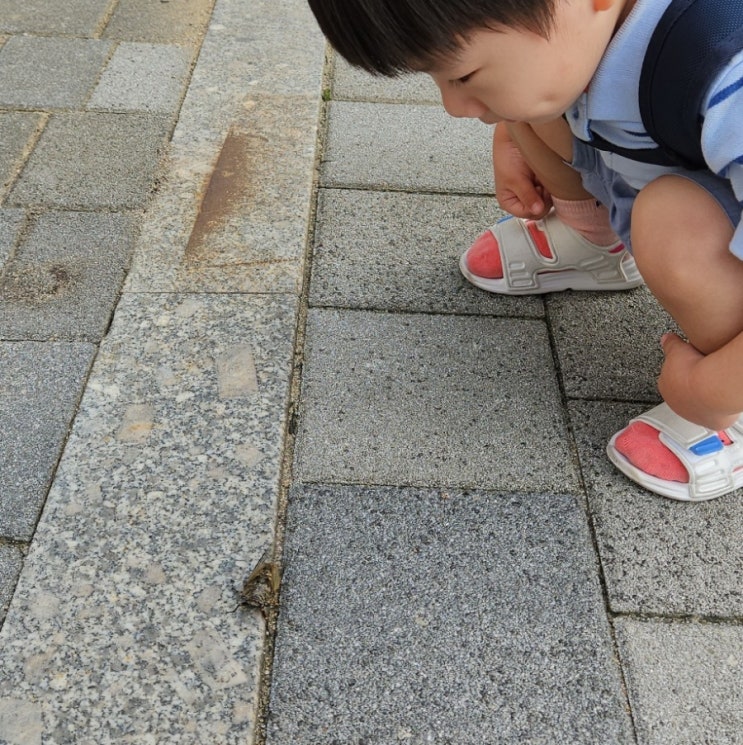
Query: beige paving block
x=176, y=21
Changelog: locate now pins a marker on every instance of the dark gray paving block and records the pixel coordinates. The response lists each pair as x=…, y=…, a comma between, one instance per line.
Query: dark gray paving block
x=16, y=131
x=11, y=562
x=174, y=21
x=430, y=400
x=406, y=147
x=395, y=251
x=429, y=617
x=608, y=343
x=43, y=72
x=659, y=555
x=73, y=17
x=65, y=276
x=93, y=160
x=11, y=224
x=353, y=84
x=41, y=385
x=143, y=77
x=684, y=681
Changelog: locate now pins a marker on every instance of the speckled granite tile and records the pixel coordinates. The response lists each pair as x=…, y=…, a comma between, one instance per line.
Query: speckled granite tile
x=40, y=384
x=427, y=617
x=163, y=22
x=393, y=251
x=608, y=343
x=405, y=146
x=124, y=624
x=659, y=556
x=684, y=681
x=232, y=216
x=353, y=84
x=431, y=400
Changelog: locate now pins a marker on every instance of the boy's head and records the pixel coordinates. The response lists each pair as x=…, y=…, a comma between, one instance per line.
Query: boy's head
x=389, y=37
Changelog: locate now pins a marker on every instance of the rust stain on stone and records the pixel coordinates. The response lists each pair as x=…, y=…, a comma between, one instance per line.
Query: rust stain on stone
x=227, y=190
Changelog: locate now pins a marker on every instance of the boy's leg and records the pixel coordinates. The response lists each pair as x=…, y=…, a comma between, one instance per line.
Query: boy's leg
x=680, y=238
x=547, y=150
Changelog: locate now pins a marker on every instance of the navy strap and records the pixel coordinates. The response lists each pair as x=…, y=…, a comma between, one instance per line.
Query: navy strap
x=691, y=44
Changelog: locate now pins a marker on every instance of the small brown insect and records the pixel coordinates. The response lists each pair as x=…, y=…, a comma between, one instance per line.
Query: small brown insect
x=261, y=588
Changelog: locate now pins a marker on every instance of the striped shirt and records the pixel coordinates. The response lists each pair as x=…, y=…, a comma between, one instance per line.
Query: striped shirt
x=610, y=107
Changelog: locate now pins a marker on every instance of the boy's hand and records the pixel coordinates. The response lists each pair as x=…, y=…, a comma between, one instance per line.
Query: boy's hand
x=687, y=397
x=516, y=187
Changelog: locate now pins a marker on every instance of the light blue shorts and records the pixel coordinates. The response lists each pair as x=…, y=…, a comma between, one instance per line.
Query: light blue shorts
x=613, y=191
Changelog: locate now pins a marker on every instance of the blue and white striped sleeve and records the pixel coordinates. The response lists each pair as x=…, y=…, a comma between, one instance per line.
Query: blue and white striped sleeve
x=722, y=134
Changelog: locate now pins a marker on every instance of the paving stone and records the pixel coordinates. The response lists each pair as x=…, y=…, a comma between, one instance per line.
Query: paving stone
x=41, y=385
x=11, y=224
x=353, y=84
x=397, y=146
x=73, y=17
x=172, y=22
x=42, y=72
x=93, y=160
x=124, y=623
x=143, y=77
x=232, y=216
x=393, y=251
x=65, y=276
x=16, y=131
x=683, y=681
x=422, y=616
x=608, y=343
x=659, y=556
x=11, y=561
x=431, y=400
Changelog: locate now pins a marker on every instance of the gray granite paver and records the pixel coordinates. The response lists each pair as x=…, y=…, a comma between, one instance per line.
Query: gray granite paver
x=11, y=224
x=424, y=399
x=93, y=160
x=232, y=216
x=609, y=343
x=393, y=251
x=124, y=623
x=659, y=556
x=16, y=131
x=11, y=561
x=352, y=84
x=174, y=22
x=143, y=77
x=65, y=276
x=432, y=617
x=44, y=72
x=41, y=385
x=409, y=147
x=684, y=681
x=72, y=17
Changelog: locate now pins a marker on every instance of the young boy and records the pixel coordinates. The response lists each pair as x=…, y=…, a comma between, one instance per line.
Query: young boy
x=553, y=75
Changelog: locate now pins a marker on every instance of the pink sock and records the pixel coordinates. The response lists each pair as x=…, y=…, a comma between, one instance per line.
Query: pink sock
x=586, y=216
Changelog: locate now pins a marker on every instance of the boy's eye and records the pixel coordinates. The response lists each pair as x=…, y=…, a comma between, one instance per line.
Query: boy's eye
x=463, y=79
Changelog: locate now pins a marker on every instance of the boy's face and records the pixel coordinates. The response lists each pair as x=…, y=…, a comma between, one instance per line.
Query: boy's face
x=517, y=75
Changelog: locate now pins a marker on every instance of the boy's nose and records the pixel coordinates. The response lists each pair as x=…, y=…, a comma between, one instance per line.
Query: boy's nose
x=461, y=106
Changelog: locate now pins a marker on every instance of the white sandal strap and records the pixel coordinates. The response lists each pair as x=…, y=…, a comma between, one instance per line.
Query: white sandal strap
x=569, y=251
x=711, y=466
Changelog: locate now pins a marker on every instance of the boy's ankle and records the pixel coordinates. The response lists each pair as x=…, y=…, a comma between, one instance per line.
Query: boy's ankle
x=587, y=217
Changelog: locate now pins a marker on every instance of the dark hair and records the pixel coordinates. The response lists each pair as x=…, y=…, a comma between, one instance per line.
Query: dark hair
x=389, y=37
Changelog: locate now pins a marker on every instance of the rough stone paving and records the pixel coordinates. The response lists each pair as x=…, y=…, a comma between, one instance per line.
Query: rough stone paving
x=232, y=331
